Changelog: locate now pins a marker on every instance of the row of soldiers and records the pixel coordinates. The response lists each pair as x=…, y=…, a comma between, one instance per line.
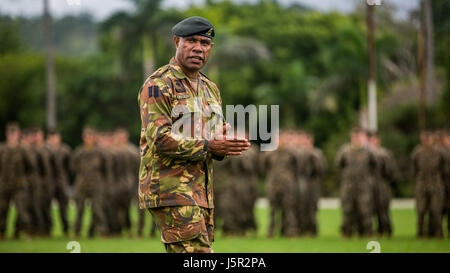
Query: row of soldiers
x=293, y=175
x=34, y=171
x=367, y=171
x=431, y=168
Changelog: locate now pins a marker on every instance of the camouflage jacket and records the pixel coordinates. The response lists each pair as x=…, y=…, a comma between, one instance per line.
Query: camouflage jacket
x=175, y=167
x=14, y=165
x=427, y=163
x=356, y=163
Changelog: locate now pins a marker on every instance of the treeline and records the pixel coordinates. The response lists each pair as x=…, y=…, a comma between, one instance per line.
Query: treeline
x=312, y=64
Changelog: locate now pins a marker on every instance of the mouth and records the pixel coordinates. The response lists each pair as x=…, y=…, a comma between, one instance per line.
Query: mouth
x=196, y=59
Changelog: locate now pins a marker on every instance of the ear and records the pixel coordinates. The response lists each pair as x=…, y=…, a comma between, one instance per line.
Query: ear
x=212, y=45
x=176, y=40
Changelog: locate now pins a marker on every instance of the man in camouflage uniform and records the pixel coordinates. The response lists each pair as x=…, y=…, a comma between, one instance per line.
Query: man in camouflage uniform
x=444, y=141
x=240, y=195
x=33, y=186
x=222, y=181
x=281, y=166
x=311, y=166
x=14, y=165
x=132, y=156
x=121, y=170
x=176, y=159
x=385, y=173
x=88, y=163
x=357, y=165
x=61, y=156
x=297, y=142
x=428, y=166
x=47, y=164
x=111, y=185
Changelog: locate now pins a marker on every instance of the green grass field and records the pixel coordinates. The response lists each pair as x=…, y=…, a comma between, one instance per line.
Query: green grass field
x=329, y=239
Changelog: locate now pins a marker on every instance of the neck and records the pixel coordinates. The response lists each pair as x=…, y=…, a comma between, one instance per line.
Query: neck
x=192, y=75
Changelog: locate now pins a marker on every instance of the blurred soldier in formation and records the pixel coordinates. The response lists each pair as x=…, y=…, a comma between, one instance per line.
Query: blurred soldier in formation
x=61, y=169
x=132, y=157
x=281, y=167
x=46, y=165
x=104, y=143
x=357, y=165
x=33, y=187
x=444, y=142
x=88, y=163
x=222, y=181
x=384, y=174
x=310, y=167
x=239, y=196
x=428, y=164
x=14, y=165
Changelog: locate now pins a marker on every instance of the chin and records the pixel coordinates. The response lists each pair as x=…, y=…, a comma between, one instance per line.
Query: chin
x=195, y=66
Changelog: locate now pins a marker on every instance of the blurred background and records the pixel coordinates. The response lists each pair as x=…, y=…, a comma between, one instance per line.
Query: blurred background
x=309, y=57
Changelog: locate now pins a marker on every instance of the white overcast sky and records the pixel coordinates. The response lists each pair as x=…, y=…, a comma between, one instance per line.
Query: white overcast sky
x=103, y=8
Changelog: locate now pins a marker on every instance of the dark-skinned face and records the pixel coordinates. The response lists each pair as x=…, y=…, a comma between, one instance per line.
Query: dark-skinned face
x=193, y=51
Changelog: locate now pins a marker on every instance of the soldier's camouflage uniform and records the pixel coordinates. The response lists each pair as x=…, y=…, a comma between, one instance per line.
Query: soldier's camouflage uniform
x=428, y=165
x=311, y=166
x=241, y=193
x=385, y=173
x=47, y=181
x=61, y=170
x=222, y=182
x=357, y=165
x=175, y=170
x=122, y=188
x=109, y=194
x=282, y=190
x=446, y=152
x=14, y=165
x=88, y=163
x=33, y=193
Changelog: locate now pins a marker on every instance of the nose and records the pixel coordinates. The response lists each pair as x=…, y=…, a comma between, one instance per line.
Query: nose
x=197, y=47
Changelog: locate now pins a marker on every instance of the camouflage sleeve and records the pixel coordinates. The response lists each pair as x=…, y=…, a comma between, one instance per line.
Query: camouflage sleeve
x=414, y=167
x=74, y=161
x=1, y=155
x=27, y=162
x=66, y=159
x=390, y=167
x=155, y=102
x=340, y=161
x=40, y=164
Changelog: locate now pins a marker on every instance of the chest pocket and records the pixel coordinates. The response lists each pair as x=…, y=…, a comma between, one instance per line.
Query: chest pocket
x=215, y=108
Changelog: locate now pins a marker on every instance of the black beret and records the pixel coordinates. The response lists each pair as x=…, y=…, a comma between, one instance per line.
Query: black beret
x=195, y=25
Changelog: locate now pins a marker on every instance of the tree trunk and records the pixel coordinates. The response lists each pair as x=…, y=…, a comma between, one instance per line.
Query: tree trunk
x=371, y=82
x=429, y=49
x=421, y=70
x=49, y=70
x=148, y=57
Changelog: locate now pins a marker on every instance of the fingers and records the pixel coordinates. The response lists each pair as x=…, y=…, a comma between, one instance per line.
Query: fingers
x=238, y=149
x=234, y=153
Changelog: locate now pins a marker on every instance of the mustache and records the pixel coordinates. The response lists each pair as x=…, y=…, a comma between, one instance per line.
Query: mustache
x=196, y=57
